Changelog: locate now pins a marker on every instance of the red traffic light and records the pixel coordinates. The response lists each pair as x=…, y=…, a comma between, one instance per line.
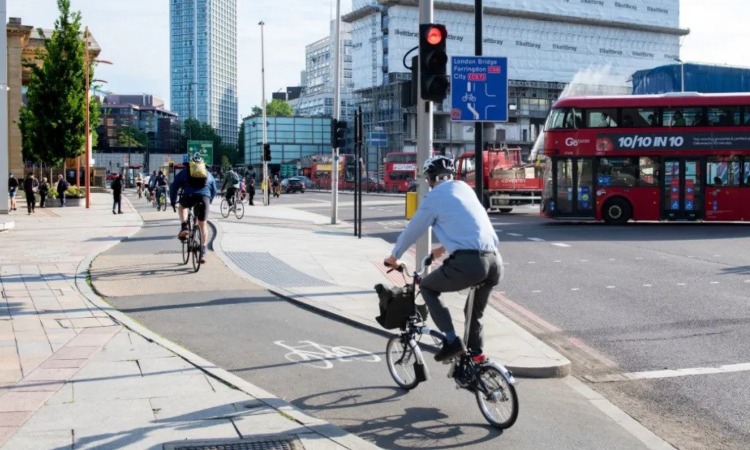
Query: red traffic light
x=434, y=36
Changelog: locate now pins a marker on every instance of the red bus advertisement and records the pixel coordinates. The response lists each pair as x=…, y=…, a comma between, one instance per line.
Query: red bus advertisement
x=678, y=156
x=400, y=168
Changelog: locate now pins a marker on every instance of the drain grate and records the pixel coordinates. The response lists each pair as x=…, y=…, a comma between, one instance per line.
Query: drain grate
x=259, y=443
x=272, y=270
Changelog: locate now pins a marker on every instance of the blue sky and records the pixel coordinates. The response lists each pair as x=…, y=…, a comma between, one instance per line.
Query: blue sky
x=134, y=35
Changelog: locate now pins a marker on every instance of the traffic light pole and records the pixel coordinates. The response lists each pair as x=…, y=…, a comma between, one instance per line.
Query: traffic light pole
x=336, y=115
x=424, y=137
x=478, y=131
x=266, y=181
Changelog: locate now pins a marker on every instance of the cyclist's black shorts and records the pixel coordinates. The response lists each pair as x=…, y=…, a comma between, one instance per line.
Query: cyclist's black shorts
x=199, y=202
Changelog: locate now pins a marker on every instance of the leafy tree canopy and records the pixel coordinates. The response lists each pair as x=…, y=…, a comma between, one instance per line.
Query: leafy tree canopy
x=53, y=121
x=276, y=108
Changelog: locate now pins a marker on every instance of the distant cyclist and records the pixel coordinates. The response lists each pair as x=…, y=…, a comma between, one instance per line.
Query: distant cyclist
x=198, y=190
x=161, y=189
x=229, y=186
x=462, y=226
x=139, y=185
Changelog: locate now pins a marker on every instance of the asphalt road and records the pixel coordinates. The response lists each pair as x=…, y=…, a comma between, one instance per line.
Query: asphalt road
x=259, y=337
x=635, y=299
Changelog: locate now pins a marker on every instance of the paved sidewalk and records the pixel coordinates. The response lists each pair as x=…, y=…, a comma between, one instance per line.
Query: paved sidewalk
x=303, y=257
x=71, y=375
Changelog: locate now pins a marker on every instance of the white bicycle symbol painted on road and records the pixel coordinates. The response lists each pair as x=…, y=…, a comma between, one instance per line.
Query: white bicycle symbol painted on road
x=320, y=356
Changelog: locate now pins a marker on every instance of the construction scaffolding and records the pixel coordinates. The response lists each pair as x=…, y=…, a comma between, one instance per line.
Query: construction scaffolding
x=383, y=121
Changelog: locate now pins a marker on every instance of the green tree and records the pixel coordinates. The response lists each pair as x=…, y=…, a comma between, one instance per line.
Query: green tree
x=131, y=137
x=53, y=121
x=276, y=108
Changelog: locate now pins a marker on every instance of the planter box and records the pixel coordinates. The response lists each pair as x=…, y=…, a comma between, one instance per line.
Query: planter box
x=70, y=201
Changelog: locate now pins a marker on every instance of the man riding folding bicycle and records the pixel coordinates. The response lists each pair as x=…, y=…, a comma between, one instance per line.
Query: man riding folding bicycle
x=230, y=186
x=464, y=229
x=198, y=190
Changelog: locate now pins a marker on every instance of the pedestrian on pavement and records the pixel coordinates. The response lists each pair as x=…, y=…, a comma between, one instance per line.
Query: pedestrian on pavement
x=250, y=188
x=62, y=186
x=462, y=226
x=12, y=190
x=30, y=186
x=117, y=185
x=43, y=191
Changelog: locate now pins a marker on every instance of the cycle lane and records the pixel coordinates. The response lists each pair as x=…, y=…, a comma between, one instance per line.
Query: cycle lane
x=237, y=329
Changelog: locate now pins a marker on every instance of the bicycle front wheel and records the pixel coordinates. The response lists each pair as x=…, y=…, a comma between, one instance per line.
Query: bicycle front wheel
x=496, y=397
x=239, y=209
x=196, y=243
x=402, y=362
x=224, y=208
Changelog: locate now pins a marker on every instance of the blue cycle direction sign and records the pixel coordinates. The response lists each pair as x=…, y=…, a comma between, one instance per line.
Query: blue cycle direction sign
x=479, y=89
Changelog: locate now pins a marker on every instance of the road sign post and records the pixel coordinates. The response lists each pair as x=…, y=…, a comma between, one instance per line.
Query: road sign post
x=479, y=89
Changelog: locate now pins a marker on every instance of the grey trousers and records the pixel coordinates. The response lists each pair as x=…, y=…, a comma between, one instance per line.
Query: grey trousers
x=463, y=269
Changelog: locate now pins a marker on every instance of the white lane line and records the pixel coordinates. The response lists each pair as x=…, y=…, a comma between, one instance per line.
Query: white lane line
x=575, y=289
x=610, y=287
x=536, y=239
x=532, y=262
x=557, y=261
x=646, y=285
x=515, y=234
x=669, y=373
x=681, y=284
x=560, y=244
x=714, y=282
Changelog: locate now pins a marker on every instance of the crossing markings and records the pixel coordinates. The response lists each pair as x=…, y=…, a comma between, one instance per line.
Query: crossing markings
x=668, y=373
x=560, y=244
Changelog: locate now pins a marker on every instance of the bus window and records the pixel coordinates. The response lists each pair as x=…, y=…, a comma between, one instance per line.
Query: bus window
x=745, y=116
x=601, y=118
x=681, y=117
x=617, y=171
x=746, y=172
x=639, y=117
x=563, y=118
x=721, y=171
x=724, y=116
x=648, y=172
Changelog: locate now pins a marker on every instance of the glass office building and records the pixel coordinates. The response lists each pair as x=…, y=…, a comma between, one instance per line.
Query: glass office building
x=291, y=139
x=203, y=63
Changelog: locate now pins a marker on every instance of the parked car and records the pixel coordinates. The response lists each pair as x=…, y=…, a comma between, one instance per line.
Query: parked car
x=293, y=184
x=308, y=182
x=372, y=185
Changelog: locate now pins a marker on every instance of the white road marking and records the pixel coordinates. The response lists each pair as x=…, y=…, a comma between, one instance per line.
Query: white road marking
x=638, y=257
x=612, y=259
x=531, y=262
x=560, y=244
x=646, y=285
x=714, y=282
x=536, y=291
x=575, y=289
x=515, y=234
x=557, y=261
x=536, y=239
x=669, y=373
x=610, y=287
x=681, y=284
x=584, y=260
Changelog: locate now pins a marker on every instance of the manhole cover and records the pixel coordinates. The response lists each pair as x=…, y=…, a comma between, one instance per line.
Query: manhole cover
x=259, y=443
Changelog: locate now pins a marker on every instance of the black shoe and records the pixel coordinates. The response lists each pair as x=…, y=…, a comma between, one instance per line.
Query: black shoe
x=114, y=212
x=449, y=350
x=119, y=212
x=183, y=232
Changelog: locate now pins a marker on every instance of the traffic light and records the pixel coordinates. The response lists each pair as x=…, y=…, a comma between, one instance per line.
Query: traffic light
x=433, y=61
x=266, y=152
x=338, y=133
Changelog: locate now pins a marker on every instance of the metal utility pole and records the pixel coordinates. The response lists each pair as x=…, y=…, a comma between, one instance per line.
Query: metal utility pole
x=266, y=200
x=4, y=163
x=336, y=114
x=87, y=181
x=424, y=137
x=478, y=131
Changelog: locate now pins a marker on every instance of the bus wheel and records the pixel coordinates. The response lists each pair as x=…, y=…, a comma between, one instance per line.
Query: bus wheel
x=617, y=211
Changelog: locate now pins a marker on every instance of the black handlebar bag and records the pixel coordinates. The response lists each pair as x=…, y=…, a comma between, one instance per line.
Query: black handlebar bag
x=396, y=306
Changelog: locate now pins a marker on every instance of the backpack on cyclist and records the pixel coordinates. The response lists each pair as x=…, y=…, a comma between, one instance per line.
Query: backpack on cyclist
x=396, y=305
x=197, y=174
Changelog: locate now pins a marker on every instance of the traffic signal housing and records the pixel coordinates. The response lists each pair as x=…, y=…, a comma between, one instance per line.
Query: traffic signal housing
x=266, y=152
x=433, y=62
x=338, y=133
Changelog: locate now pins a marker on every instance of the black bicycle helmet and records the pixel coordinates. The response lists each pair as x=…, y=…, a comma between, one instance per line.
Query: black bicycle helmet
x=436, y=166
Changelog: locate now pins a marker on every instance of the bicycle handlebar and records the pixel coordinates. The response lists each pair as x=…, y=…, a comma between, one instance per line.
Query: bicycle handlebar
x=426, y=262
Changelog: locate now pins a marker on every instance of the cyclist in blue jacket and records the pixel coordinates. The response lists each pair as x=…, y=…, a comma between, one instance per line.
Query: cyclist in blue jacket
x=462, y=226
x=198, y=189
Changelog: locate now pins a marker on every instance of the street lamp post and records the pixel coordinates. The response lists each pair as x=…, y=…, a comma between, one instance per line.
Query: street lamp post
x=682, y=74
x=87, y=180
x=266, y=199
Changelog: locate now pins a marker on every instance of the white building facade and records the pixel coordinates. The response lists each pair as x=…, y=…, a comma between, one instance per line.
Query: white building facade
x=548, y=43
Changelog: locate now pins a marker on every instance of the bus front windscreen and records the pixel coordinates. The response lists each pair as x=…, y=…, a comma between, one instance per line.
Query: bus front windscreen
x=561, y=118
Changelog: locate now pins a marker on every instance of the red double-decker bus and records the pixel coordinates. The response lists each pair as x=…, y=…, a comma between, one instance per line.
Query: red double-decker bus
x=320, y=171
x=679, y=156
x=400, y=168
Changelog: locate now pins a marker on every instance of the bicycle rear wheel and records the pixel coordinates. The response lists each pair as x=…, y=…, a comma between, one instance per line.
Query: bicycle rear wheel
x=239, y=209
x=196, y=244
x=402, y=362
x=186, y=250
x=496, y=397
x=224, y=208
